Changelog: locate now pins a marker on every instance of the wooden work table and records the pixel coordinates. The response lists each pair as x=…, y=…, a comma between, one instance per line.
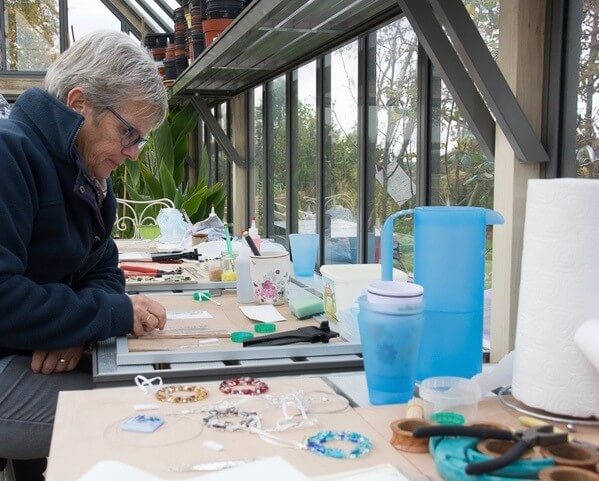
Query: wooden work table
x=86, y=432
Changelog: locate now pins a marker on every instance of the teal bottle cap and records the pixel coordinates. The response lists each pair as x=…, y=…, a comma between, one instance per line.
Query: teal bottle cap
x=201, y=296
x=240, y=336
x=265, y=327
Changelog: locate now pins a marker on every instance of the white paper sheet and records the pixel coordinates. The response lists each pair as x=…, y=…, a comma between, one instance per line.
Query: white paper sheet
x=134, y=257
x=177, y=315
x=383, y=472
x=266, y=313
x=269, y=469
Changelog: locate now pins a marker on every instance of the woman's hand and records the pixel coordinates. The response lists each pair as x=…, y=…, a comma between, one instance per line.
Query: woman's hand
x=148, y=315
x=61, y=360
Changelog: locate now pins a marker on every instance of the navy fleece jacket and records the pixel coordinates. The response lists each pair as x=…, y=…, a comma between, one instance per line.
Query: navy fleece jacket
x=59, y=281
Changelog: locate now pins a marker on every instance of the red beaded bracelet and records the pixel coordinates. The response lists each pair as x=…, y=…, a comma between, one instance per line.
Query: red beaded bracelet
x=255, y=386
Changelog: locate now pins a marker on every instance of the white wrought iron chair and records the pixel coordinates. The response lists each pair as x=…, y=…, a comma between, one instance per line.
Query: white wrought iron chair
x=127, y=215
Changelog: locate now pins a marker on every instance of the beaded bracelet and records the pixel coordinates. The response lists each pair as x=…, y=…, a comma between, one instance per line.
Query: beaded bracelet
x=255, y=386
x=167, y=394
x=316, y=444
x=247, y=419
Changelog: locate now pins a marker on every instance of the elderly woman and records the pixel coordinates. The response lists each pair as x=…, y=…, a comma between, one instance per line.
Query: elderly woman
x=60, y=286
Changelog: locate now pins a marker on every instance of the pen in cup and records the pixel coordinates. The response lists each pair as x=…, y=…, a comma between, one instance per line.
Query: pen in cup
x=250, y=242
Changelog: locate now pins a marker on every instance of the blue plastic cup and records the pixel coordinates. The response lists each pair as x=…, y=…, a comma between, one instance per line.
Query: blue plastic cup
x=304, y=249
x=390, y=335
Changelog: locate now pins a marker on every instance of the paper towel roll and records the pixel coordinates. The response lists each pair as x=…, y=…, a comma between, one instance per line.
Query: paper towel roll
x=559, y=290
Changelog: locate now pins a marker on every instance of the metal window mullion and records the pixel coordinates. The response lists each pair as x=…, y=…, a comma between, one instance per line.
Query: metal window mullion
x=291, y=101
x=3, y=50
x=424, y=126
x=165, y=8
x=229, y=166
x=217, y=172
x=268, y=194
x=251, y=153
x=154, y=16
x=63, y=22
x=363, y=180
x=562, y=68
x=320, y=143
x=115, y=11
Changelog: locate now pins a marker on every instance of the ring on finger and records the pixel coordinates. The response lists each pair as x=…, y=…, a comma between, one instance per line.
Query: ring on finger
x=149, y=315
x=62, y=361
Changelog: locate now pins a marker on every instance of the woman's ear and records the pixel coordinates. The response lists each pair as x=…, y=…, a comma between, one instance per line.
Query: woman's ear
x=76, y=100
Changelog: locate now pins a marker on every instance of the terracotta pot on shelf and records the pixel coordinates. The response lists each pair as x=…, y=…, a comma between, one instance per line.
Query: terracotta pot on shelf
x=181, y=63
x=170, y=67
x=213, y=28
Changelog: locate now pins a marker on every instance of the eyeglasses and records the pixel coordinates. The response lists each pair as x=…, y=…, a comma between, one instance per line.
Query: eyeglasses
x=132, y=136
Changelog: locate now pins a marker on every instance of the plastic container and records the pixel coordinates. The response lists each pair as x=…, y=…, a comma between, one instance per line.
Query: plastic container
x=449, y=262
x=390, y=335
x=228, y=265
x=343, y=284
x=304, y=250
x=450, y=394
x=245, y=289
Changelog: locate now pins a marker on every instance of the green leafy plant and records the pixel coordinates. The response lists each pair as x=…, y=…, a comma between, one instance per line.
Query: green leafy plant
x=164, y=170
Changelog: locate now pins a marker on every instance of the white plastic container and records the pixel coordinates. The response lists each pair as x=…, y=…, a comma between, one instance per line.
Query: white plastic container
x=343, y=284
x=245, y=289
x=450, y=394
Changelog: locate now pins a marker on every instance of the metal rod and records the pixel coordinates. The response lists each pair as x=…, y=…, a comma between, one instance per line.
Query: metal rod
x=217, y=132
x=489, y=80
x=439, y=49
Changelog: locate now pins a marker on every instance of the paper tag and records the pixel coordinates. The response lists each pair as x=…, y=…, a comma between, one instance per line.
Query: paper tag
x=177, y=315
x=266, y=313
x=142, y=424
x=145, y=407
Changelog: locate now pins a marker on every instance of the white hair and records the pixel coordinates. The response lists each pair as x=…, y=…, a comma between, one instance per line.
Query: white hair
x=111, y=68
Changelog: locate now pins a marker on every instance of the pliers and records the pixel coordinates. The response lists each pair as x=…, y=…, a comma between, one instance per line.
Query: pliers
x=524, y=440
x=310, y=334
x=175, y=256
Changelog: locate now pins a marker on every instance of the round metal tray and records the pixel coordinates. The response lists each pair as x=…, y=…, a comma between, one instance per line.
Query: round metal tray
x=505, y=396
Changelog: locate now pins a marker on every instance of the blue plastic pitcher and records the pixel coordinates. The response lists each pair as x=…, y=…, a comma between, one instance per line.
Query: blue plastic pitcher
x=449, y=262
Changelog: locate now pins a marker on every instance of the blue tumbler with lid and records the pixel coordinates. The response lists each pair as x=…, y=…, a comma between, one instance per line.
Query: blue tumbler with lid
x=391, y=319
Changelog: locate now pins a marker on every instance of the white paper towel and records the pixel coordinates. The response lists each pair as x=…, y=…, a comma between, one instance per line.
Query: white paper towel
x=559, y=290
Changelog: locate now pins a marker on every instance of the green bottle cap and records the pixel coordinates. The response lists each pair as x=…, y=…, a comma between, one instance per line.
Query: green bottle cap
x=240, y=336
x=265, y=327
x=448, y=418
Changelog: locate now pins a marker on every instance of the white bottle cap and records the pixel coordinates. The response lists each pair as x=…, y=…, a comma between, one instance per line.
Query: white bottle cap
x=395, y=292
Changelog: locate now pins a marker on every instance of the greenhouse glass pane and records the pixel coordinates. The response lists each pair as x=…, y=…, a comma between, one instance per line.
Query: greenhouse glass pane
x=87, y=16
x=32, y=34
x=305, y=170
x=587, y=132
x=341, y=155
x=392, y=128
x=257, y=150
x=277, y=158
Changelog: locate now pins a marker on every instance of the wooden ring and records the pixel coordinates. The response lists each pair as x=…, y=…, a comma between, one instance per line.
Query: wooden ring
x=567, y=473
x=497, y=447
x=403, y=438
x=568, y=454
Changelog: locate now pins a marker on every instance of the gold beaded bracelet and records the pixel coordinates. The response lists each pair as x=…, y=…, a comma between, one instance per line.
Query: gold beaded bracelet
x=167, y=394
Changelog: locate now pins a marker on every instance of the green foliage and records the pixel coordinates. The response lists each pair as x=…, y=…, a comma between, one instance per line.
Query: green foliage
x=163, y=170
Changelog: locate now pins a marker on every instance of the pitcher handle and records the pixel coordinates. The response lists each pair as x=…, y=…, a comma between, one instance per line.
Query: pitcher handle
x=387, y=244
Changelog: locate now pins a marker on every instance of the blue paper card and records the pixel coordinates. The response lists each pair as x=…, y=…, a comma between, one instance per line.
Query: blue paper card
x=142, y=424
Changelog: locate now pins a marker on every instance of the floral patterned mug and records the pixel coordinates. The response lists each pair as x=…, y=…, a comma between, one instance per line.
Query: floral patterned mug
x=270, y=277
